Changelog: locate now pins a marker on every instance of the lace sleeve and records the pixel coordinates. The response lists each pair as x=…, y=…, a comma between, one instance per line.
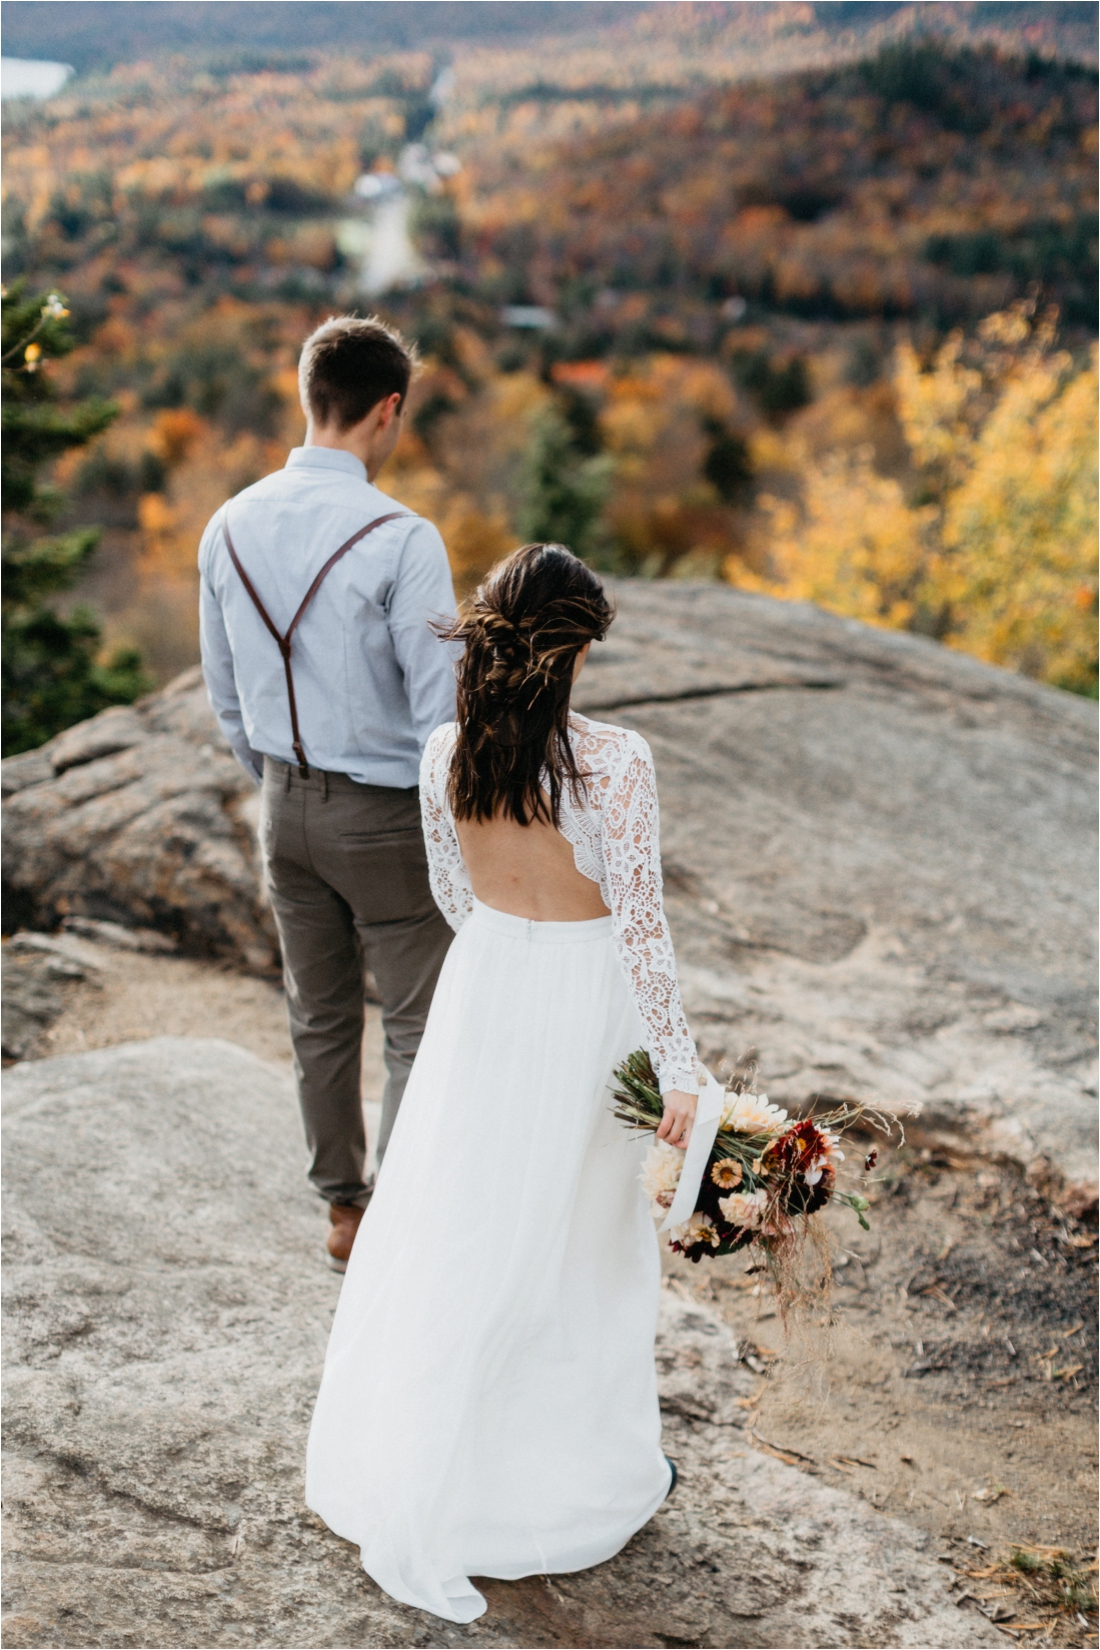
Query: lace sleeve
x=632, y=858
x=447, y=873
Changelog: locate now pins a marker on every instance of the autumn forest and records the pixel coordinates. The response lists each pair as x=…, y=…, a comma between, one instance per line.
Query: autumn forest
x=706, y=291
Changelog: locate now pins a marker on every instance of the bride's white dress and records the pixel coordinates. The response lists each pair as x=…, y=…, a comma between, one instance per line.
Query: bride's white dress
x=489, y=1402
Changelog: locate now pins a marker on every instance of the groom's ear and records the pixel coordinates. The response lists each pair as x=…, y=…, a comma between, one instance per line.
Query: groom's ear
x=377, y=419
x=392, y=407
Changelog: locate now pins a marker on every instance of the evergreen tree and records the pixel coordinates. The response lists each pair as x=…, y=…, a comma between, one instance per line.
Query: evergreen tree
x=564, y=492
x=52, y=675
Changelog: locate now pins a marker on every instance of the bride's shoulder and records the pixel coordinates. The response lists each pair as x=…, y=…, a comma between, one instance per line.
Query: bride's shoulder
x=605, y=746
x=437, y=750
x=442, y=738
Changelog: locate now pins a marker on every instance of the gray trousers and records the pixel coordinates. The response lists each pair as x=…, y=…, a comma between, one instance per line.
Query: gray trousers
x=348, y=878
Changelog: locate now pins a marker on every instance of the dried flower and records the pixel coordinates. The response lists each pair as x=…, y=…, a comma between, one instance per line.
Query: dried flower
x=776, y=1173
x=744, y=1209
x=727, y=1173
x=752, y=1114
x=698, y=1230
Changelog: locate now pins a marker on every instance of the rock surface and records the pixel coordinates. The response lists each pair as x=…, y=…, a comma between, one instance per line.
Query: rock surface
x=39, y=974
x=879, y=855
x=167, y=1316
x=140, y=816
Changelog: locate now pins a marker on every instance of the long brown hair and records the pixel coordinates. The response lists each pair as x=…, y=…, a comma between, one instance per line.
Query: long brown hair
x=523, y=630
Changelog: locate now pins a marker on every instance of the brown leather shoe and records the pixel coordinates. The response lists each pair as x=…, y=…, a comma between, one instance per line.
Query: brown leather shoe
x=345, y=1218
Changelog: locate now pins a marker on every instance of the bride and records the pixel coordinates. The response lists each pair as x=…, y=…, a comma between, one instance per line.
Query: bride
x=489, y=1400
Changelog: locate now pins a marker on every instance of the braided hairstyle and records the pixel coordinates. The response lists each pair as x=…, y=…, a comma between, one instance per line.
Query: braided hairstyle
x=522, y=633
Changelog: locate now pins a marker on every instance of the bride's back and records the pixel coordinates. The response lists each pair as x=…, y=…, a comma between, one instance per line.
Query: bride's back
x=527, y=870
x=526, y=636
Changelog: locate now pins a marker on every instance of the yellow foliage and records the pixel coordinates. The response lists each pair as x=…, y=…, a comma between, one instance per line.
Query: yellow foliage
x=1018, y=568
x=155, y=515
x=475, y=540
x=933, y=406
x=995, y=546
x=653, y=424
x=854, y=547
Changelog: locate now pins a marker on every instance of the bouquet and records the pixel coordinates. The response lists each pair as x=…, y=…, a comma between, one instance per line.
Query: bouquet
x=763, y=1177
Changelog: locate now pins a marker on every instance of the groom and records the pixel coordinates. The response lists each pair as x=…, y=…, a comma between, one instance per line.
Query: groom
x=315, y=599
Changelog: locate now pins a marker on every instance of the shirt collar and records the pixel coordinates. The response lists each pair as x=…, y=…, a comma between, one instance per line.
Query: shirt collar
x=326, y=458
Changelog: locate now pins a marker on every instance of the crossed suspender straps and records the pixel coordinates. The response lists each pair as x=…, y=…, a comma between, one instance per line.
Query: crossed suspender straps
x=285, y=641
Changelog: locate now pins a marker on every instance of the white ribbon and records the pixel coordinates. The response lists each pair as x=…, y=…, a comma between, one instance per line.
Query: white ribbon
x=708, y=1115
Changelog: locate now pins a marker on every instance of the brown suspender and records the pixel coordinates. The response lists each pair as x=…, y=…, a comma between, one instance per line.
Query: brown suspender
x=284, y=642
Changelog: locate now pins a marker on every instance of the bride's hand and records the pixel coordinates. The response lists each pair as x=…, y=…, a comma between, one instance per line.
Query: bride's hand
x=679, y=1116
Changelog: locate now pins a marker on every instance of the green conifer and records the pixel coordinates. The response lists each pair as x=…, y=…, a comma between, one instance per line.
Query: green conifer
x=52, y=674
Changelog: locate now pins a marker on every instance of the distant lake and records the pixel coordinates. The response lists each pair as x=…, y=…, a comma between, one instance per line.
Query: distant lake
x=31, y=77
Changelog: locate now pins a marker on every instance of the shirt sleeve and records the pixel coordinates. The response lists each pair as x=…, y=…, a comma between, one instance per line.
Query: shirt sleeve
x=630, y=841
x=423, y=591
x=217, y=663
x=447, y=873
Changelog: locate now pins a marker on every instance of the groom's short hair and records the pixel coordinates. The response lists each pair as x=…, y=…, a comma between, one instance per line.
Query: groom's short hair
x=348, y=365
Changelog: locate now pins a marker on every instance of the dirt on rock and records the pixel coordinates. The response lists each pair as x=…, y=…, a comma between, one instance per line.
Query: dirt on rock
x=956, y=1387
x=128, y=996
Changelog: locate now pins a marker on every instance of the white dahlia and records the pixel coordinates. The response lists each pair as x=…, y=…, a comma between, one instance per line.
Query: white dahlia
x=744, y=1208
x=661, y=1174
x=752, y=1114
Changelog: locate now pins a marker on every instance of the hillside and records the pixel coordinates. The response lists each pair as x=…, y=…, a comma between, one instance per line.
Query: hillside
x=751, y=269
x=922, y=182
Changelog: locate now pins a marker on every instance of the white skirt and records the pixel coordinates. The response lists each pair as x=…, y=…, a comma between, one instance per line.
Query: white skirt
x=489, y=1400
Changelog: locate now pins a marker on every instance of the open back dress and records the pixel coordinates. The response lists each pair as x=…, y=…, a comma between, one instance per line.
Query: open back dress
x=489, y=1402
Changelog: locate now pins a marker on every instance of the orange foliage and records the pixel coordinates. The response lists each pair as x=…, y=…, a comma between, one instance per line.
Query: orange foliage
x=830, y=193
x=175, y=431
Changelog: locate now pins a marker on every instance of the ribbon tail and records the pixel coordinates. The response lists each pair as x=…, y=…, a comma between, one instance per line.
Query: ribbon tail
x=708, y=1115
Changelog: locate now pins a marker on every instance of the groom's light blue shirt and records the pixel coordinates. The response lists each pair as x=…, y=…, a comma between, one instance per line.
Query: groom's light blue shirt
x=371, y=679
